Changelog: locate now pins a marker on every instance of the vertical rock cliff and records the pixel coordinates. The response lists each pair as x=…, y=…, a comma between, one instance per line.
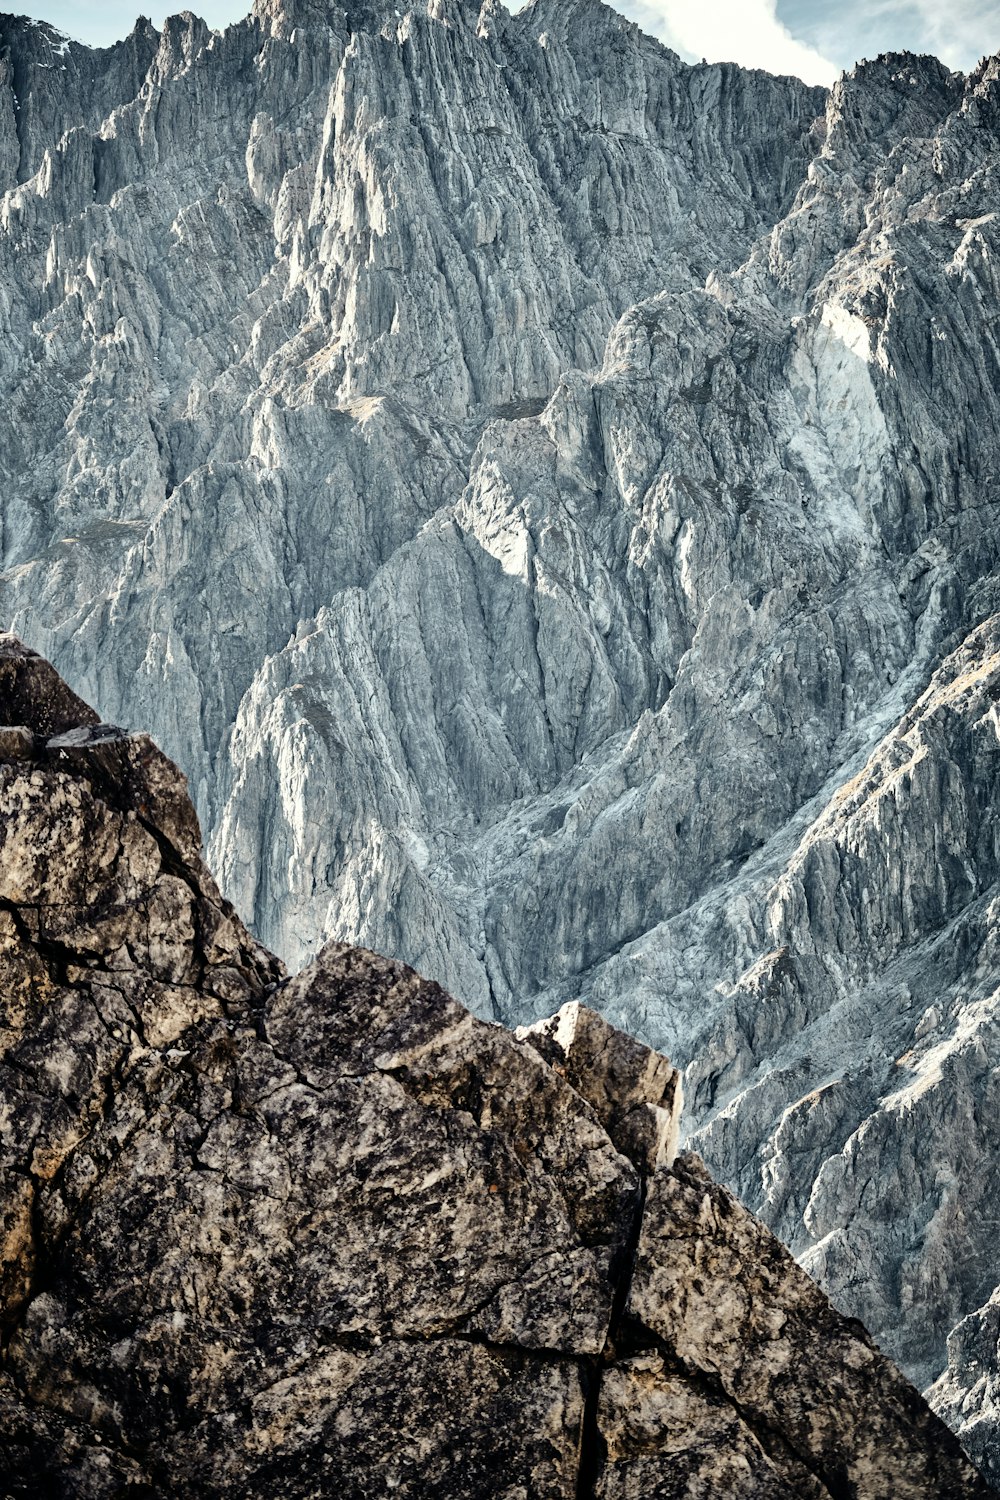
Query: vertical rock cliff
x=545, y=497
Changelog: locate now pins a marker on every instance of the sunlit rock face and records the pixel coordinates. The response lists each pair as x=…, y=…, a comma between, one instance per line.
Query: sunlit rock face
x=545, y=497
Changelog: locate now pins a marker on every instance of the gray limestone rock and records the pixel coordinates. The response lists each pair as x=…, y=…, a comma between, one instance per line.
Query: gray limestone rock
x=967, y=1395
x=532, y=486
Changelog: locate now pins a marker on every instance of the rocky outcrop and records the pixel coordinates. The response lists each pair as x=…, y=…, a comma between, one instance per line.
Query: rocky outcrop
x=636, y=1093
x=52, y=86
x=901, y=868
x=545, y=497
x=267, y=1236
x=967, y=1395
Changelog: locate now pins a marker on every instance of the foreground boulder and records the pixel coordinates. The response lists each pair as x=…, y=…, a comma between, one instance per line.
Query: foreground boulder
x=269, y=1236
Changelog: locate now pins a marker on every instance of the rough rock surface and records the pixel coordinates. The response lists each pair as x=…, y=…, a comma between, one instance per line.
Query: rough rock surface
x=545, y=496
x=968, y=1393
x=273, y=1237
x=635, y=1091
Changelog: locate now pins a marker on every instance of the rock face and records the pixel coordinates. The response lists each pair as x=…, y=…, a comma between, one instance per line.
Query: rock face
x=968, y=1393
x=545, y=496
x=270, y=1236
x=635, y=1091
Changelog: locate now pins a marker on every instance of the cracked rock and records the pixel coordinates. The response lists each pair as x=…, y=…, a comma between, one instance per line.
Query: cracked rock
x=268, y=1236
x=637, y=1095
x=525, y=481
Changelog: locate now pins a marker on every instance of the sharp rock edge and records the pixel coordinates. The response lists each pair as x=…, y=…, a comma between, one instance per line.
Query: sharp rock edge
x=545, y=496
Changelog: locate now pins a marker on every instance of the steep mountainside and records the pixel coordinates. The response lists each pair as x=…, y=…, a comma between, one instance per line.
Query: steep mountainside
x=545, y=497
x=286, y=1237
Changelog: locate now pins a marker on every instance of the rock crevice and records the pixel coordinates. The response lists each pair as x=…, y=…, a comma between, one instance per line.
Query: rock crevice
x=530, y=484
x=265, y=1235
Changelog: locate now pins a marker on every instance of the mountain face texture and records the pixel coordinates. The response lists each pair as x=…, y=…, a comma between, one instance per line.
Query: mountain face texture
x=272, y=1237
x=968, y=1393
x=545, y=496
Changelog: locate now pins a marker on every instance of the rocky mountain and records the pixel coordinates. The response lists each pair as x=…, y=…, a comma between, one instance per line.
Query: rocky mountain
x=263, y=1236
x=968, y=1393
x=544, y=495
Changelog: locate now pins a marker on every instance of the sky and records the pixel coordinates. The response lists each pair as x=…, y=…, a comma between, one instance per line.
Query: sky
x=813, y=39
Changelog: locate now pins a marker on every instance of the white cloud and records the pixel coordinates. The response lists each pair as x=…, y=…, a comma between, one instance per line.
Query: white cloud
x=959, y=32
x=741, y=31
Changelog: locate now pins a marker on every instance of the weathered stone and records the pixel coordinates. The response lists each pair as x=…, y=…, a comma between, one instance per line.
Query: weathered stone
x=16, y=742
x=34, y=697
x=525, y=481
x=634, y=1091
x=667, y=1433
x=967, y=1395
x=720, y=1294
x=268, y=1237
